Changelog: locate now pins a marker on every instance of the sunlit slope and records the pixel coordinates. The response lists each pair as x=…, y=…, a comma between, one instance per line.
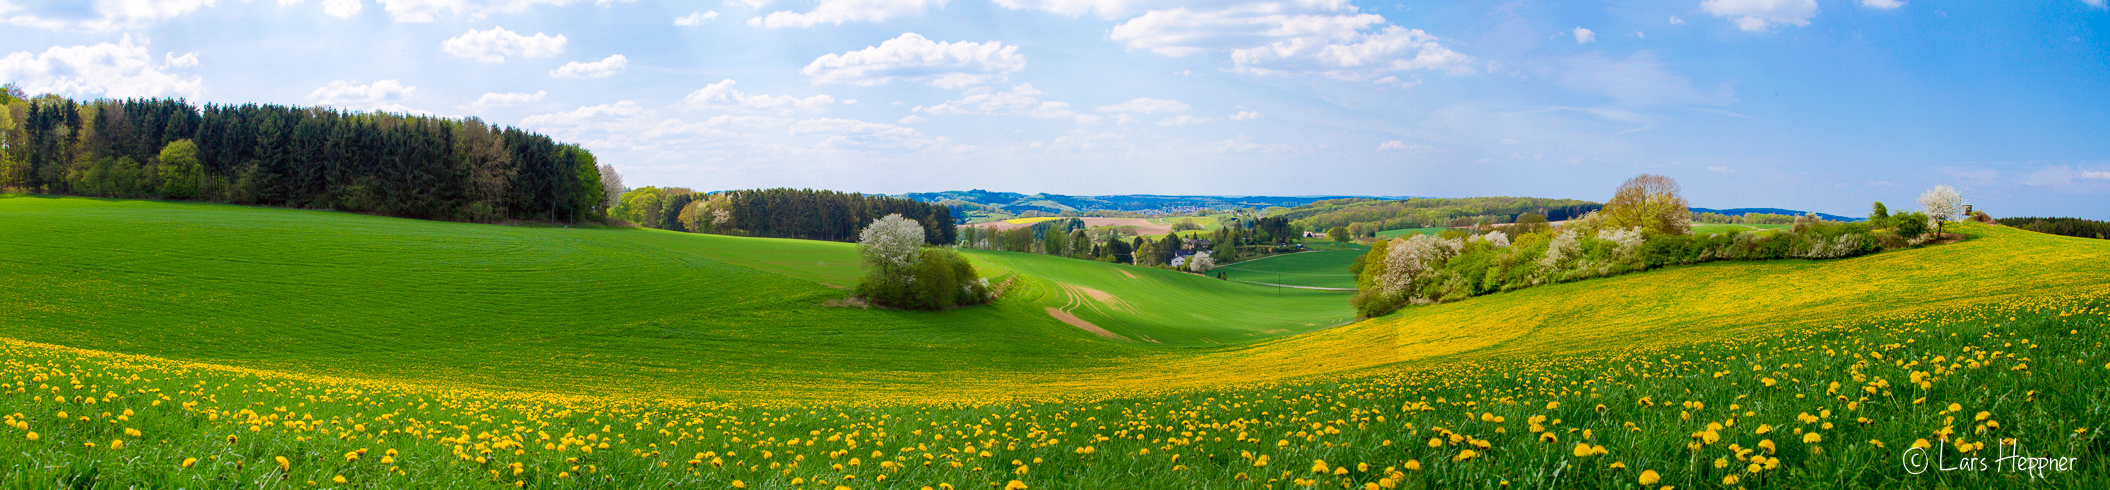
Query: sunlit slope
x=1319, y=268
x=565, y=310
x=1688, y=304
x=1165, y=307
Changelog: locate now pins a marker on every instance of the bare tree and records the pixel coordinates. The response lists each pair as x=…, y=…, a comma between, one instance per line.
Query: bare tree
x=611, y=188
x=1942, y=204
x=1652, y=203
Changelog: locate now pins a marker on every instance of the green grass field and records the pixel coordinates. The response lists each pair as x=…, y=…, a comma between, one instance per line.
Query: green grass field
x=1390, y=234
x=148, y=344
x=1317, y=268
x=645, y=310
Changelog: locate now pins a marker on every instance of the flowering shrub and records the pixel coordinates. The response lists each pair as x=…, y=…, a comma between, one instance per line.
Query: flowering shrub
x=1424, y=269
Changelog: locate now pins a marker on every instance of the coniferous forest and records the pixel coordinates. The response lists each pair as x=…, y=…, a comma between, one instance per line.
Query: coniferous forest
x=304, y=157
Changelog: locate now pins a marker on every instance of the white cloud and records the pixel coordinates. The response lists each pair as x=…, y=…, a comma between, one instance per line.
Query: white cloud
x=493, y=46
x=585, y=114
x=1124, y=120
x=606, y=67
x=429, y=10
x=342, y=9
x=722, y=95
x=1355, y=56
x=1584, y=36
x=851, y=134
x=839, y=11
x=1762, y=15
x=186, y=61
x=911, y=57
x=1674, y=20
x=1246, y=116
x=1021, y=100
x=1183, y=120
x=1638, y=80
x=120, y=70
x=2094, y=3
x=495, y=99
x=912, y=119
x=1396, y=145
x=696, y=18
x=1146, y=105
x=105, y=16
x=1722, y=169
x=2095, y=174
x=1890, y=4
x=351, y=95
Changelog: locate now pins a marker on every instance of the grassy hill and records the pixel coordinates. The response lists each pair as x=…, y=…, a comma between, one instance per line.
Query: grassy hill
x=1317, y=268
x=575, y=357
x=643, y=311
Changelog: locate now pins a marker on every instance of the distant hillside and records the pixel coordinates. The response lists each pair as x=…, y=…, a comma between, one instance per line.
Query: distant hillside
x=1789, y=212
x=986, y=203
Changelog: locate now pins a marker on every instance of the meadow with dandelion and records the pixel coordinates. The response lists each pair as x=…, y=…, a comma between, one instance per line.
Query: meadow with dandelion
x=564, y=373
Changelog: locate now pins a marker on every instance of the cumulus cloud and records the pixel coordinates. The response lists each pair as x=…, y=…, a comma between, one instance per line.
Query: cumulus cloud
x=120, y=70
x=430, y=10
x=1584, y=36
x=912, y=119
x=721, y=95
x=1146, y=105
x=495, y=45
x=385, y=95
x=911, y=57
x=606, y=67
x=2094, y=3
x=495, y=99
x=1245, y=116
x=696, y=18
x=1890, y=4
x=840, y=11
x=1355, y=56
x=1762, y=15
x=1021, y=100
x=1183, y=120
x=1330, y=38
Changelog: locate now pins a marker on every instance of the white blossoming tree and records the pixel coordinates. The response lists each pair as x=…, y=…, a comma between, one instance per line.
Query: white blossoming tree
x=1942, y=204
x=1201, y=262
x=891, y=246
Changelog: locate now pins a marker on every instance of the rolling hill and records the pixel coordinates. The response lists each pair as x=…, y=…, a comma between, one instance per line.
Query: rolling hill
x=192, y=345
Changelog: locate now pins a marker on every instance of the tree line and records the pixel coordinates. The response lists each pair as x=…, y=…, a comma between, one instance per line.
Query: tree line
x=2073, y=227
x=1365, y=217
x=806, y=214
x=305, y=157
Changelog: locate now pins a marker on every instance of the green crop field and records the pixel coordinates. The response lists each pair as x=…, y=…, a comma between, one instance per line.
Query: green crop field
x=1318, y=268
x=1388, y=234
x=147, y=344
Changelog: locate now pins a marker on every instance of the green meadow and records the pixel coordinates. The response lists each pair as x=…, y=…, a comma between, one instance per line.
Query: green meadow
x=177, y=345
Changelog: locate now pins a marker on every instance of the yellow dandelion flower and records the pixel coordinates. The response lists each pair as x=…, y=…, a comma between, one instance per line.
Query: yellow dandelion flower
x=187, y=462
x=739, y=484
x=1649, y=477
x=1015, y=485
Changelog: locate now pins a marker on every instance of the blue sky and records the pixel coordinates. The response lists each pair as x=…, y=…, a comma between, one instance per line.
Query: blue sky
x=1808, y=104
